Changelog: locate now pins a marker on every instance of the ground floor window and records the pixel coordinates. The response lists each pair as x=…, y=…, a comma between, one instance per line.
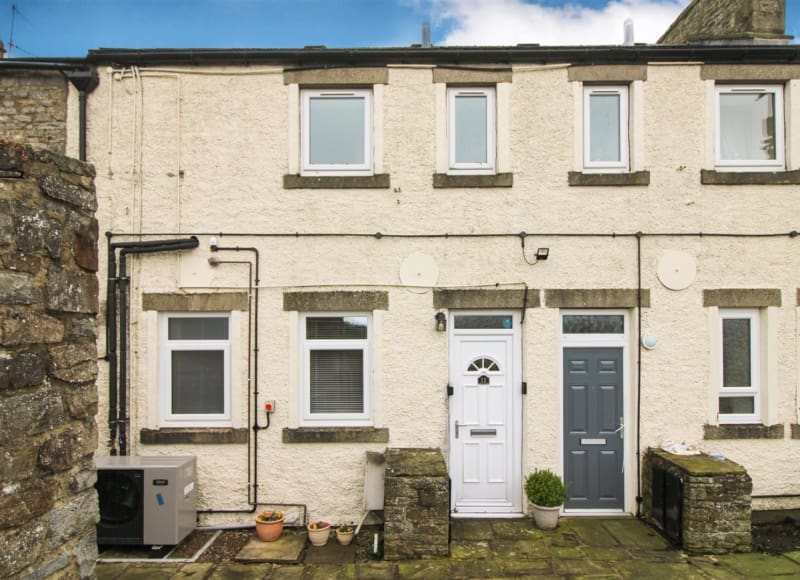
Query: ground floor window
x=336, y=354
x=195, y=369
x=739, y=366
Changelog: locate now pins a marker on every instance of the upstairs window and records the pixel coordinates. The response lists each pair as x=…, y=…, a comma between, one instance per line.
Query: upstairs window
x=739, y=372
x=471, y=129
x=336, y=128
x=336, y=369
x=605, y=128
x=749, y=127
x=195, y=370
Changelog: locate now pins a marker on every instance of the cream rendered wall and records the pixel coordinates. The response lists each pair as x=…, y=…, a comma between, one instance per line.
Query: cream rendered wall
x=204, y=150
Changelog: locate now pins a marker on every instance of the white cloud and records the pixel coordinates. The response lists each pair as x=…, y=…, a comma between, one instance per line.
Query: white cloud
x=510, y=22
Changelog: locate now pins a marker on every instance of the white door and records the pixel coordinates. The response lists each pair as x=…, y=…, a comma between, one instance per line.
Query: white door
x=485, y=414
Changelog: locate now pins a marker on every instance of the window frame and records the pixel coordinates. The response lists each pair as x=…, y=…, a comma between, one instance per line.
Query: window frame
x=754, y=390
x=777, y=164
x=490, y=166
x=167, y=346
x=307, y=418
x=623, y=165
x=309, y=168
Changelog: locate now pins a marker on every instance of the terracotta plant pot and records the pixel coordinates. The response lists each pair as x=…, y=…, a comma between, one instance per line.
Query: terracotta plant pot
x=319, y=534
x=269, y=531
x=546, y=518
x=344, y=537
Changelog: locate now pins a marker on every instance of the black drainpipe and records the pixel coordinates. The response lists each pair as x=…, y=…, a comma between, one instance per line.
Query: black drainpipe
x=639, y=376
x=85, y=80
x=118, y=412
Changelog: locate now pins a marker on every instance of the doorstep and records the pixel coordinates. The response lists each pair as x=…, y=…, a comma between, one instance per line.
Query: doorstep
x=288, y=549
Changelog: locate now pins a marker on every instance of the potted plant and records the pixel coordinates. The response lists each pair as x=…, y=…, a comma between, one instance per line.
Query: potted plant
x=269, y=525
x=318, y=533
x=344, y=533
x=547, y=492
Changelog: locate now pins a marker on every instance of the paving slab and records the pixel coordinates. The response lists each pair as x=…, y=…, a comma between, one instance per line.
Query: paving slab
x=328, y=571
x=193, y=571
x=240, y=572
x=376, y=571
x=521, y=549
x=581, y=567
x=331, y=553
x=109, y=571
x=148, y=572
x=473, y=530
x=714, y=570
x=606, y=554
x=287, y=572
x=660, y=570
x=759, y=565
x=515, y=529
x=470, y=550
x=288, y=549
x=525, y=567
x=632, y=533
x=592, y=533
x=424, y=569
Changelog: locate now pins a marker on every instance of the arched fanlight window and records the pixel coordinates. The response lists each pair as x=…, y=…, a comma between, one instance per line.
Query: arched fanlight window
x=482, y=364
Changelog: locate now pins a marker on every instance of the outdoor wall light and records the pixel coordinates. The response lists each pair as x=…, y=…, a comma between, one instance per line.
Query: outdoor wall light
x=441, y=322
x=542, y=253
x=649, y=341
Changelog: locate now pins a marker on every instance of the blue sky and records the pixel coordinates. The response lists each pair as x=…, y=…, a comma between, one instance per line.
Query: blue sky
x=50, y=28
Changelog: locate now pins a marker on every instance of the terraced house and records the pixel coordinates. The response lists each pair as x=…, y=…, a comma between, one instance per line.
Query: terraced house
x=522, y=256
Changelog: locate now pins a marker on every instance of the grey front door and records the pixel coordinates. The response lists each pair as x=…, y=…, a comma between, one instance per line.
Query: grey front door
x=593, y=428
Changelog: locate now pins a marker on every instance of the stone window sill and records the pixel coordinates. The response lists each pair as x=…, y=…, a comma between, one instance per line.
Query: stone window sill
x=335, y=435
x=580, y=179
x=743, y=432
x=445, y=180
x=192, y=436
x=712, y=177
x=379, y=181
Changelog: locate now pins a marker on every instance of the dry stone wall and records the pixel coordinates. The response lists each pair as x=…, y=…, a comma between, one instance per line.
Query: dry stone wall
x=33, y=108
x=48, y=364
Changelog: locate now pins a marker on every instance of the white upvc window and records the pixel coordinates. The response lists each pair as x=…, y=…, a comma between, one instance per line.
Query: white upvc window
x=195, y=384
x=336, y=130
x=739, y=399
x=749, y=125
x=336, y=368
x=471, y=129
x=605, y=128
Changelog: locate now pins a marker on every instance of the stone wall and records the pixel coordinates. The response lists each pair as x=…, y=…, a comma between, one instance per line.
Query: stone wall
x=715, y=506
x=48, y=364
x=33, y=108
x=416, y=505
x=729, y=20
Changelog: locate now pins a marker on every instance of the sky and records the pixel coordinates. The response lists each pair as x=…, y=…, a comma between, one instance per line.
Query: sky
x=70, y=28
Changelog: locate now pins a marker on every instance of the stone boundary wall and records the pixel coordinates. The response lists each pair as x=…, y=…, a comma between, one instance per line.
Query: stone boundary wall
x=48, y=364
x=33, y=108
x=416, y=505
x=716, y=511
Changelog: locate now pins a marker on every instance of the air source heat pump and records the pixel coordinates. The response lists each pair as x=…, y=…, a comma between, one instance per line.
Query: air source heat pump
x=146, y=500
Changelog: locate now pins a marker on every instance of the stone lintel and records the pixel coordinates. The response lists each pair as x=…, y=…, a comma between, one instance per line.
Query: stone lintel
x=485, y=299
x=712, y=177
x=742, y=297
x=595, y=298
x=337, y=300
x=378, y=181
x=472, y=76
x=446, y=180
x=750, y=72
x=213, y=302
x=608, y=73
x=337, y=76
x=578, y=178
x=336, y=435
x=742, y=432
x=204, y=436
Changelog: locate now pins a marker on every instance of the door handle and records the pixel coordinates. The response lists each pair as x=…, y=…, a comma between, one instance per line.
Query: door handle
x=621, y=429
